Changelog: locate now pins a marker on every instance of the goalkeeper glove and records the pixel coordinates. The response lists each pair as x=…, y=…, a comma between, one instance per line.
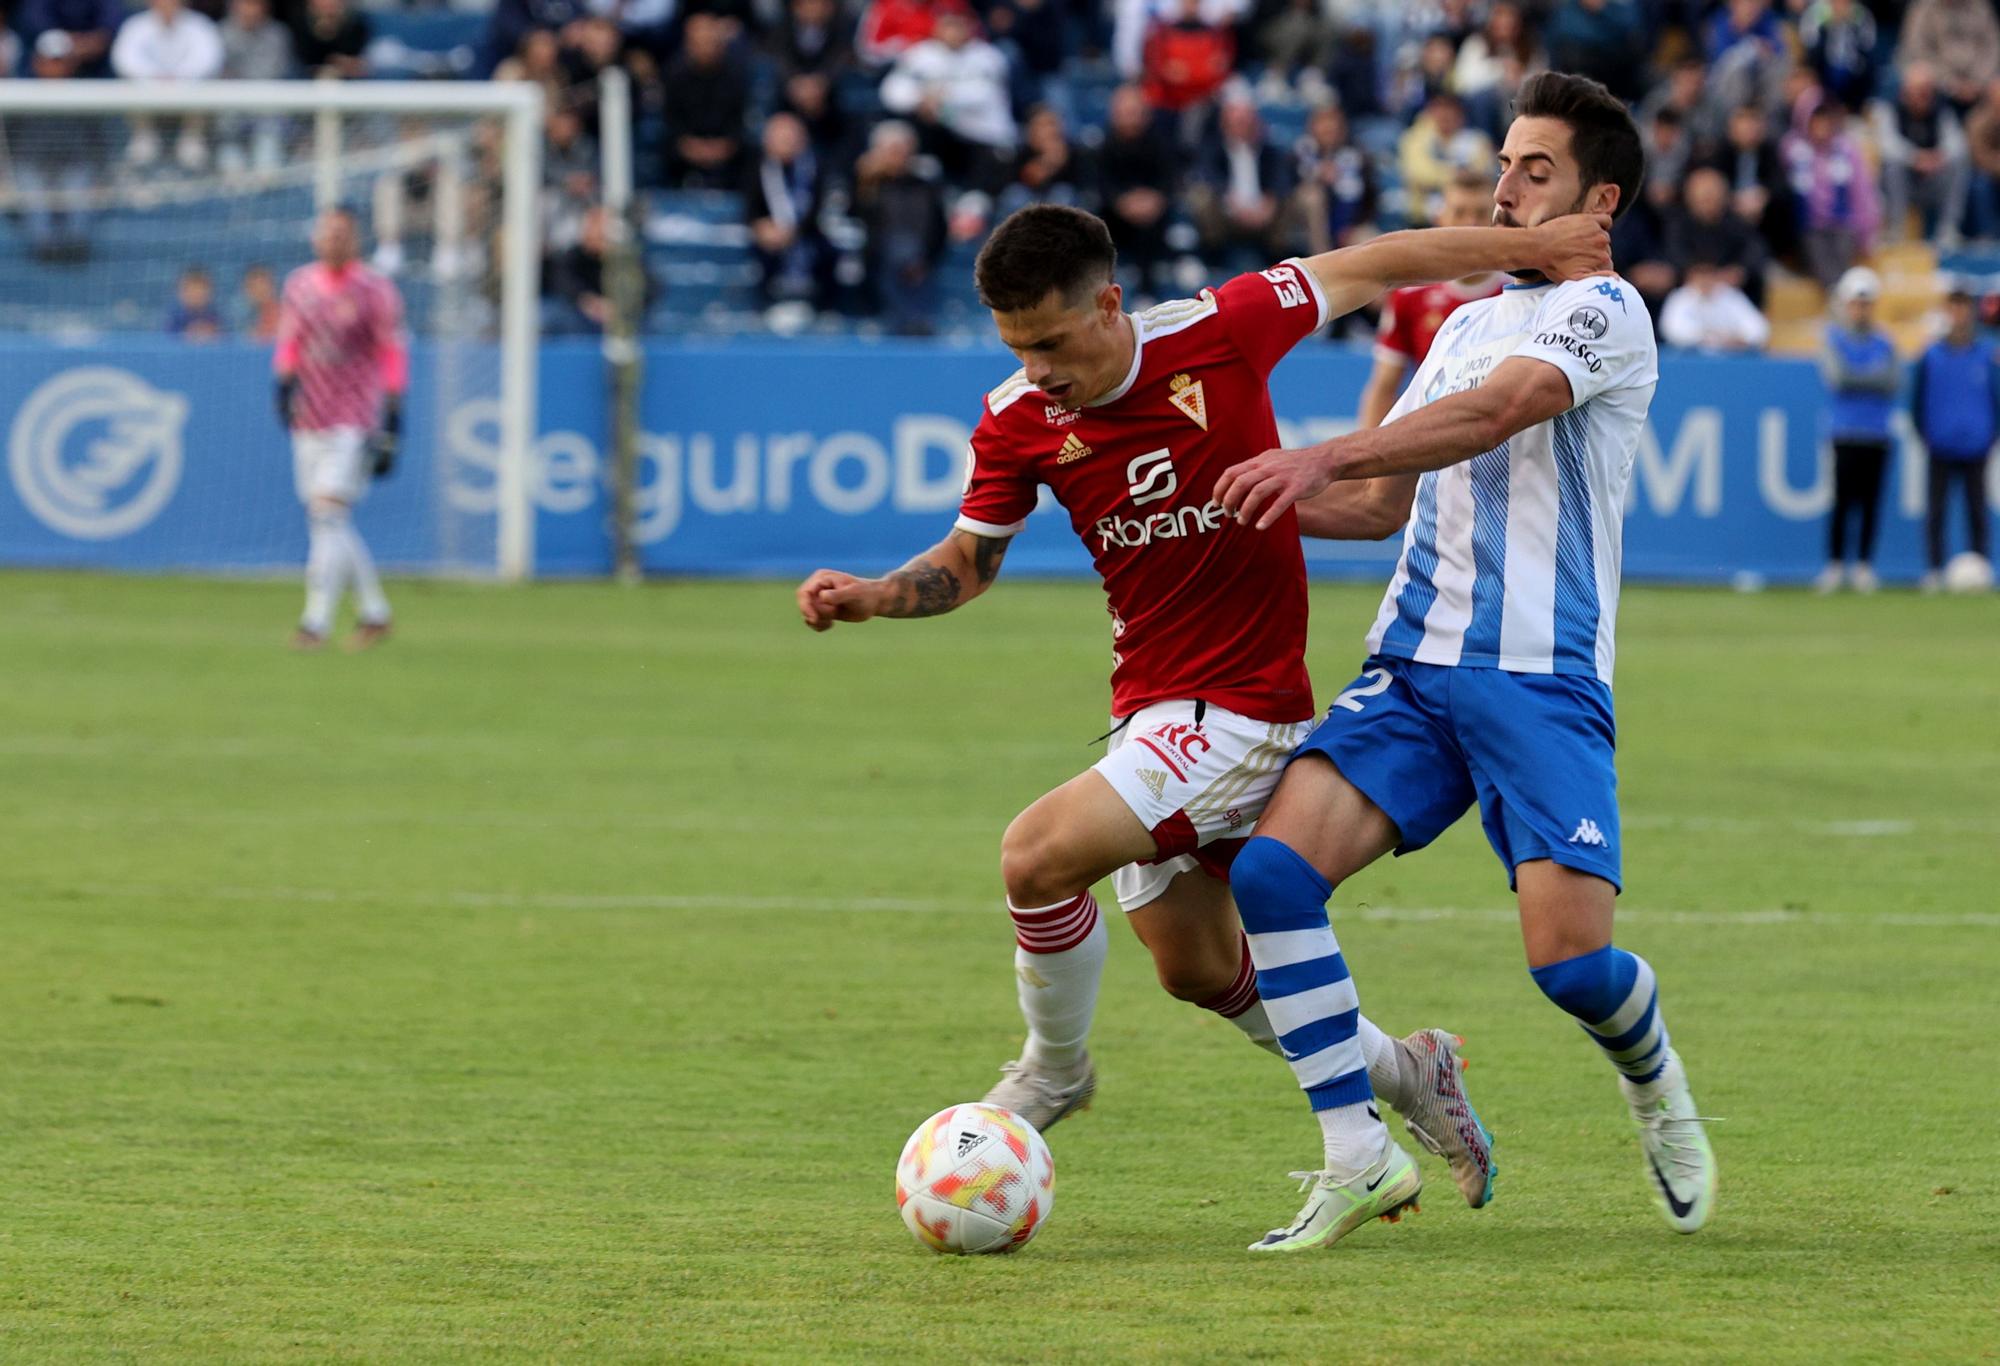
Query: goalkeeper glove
x=288, y=385
x=386, y=438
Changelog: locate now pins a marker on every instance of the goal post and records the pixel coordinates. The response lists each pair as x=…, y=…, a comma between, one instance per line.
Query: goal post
x=316, y=142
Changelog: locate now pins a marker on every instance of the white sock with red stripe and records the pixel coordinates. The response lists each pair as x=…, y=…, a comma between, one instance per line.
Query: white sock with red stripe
x=1058, y=961
x=1239, y=1004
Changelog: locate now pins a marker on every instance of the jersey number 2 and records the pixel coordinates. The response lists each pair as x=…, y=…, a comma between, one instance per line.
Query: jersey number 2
x=1373, y=682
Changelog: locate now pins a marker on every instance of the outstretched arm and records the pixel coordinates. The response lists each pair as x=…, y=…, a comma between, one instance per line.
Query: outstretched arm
x=1359, y=509
x=946, y=577
x=1566, y=248
x=1518, y=394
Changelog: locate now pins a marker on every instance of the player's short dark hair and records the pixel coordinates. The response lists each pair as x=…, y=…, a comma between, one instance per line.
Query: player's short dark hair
x=1040, y=248
x=1602, y=134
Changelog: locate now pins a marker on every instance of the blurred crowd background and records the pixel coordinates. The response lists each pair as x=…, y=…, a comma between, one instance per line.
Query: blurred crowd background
x=832, y=165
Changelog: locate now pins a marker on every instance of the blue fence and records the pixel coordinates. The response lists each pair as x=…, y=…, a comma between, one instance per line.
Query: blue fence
x=771, y=459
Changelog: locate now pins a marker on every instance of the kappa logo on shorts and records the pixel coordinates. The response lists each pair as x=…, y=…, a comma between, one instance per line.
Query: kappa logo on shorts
x=1155, y=781
x=1588, y=833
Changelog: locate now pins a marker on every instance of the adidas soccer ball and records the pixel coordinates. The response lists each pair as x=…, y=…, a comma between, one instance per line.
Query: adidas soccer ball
x=1967, y=572
x=975, y=1178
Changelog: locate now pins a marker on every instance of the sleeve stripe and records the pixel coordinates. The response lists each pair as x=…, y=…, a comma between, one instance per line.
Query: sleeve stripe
x=1312, y=283
x=991, y=530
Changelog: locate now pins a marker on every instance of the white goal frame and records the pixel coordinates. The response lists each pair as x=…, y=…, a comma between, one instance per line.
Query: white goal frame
x=517, y=104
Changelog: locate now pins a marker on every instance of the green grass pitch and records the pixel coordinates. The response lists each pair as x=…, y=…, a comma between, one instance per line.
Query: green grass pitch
x=561, y=981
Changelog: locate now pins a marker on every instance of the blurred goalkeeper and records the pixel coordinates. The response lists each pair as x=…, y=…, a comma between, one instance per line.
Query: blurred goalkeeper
x=341, y=368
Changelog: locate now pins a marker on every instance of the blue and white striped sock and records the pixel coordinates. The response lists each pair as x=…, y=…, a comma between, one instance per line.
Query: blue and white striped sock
x=1308, y=994
x=1613, y=995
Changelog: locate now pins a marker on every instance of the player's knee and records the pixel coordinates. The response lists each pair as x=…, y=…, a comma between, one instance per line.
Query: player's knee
x=1268, y=873
x=1032, y=865
x=1195, y=976
x=326, y=511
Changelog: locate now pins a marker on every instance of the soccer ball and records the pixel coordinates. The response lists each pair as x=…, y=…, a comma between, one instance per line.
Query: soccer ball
x=1967, y=572
x=975, y=1178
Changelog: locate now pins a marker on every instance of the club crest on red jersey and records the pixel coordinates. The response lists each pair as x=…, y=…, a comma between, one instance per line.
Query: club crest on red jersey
x=1187, y=396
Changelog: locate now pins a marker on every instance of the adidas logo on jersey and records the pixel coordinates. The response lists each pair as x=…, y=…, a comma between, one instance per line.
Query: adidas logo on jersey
x=1588, y=833
x=1155, y=781
x=1072, y=450
x=1188, y=397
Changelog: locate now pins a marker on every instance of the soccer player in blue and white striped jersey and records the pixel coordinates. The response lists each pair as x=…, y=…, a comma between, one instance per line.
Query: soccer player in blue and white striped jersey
x=1489, y=677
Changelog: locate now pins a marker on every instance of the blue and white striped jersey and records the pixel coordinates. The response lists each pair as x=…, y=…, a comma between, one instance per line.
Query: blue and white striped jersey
x=1511, y=559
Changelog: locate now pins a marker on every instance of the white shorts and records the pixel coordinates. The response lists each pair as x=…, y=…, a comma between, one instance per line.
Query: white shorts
x=1194, y=775
x=330, y=464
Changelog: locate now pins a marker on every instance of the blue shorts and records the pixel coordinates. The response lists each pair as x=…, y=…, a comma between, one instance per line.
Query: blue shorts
x=1423, y=742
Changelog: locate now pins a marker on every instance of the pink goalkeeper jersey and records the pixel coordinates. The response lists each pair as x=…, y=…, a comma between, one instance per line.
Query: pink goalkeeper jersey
x=341, y=334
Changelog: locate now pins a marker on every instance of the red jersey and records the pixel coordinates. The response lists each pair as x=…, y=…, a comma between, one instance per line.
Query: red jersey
x=1201, y=608
x=1412, y=316
x=341, y=334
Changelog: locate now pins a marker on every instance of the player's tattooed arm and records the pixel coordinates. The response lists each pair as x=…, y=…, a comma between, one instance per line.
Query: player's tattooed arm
x=946, y=577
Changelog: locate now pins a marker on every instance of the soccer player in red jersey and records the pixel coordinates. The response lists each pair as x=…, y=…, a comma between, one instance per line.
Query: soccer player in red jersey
x=1129, y=419
x=1411, y=316
x=341, y=368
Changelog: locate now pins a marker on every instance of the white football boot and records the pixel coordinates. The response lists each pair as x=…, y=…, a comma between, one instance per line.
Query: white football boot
x=1680, y=1165
x=1042, y=1094
x=1340, y=1204
x=1440, y=1116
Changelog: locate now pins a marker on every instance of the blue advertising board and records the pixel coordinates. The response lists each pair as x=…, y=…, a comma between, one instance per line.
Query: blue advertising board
x=763, y=458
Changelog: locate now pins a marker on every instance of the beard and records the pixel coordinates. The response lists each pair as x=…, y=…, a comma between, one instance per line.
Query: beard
x=1503, y=219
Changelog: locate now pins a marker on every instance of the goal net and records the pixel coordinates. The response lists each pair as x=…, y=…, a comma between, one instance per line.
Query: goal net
x=145, y=233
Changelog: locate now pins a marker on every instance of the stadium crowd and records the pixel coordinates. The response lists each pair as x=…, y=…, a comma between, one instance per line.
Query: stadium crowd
x=865, y=140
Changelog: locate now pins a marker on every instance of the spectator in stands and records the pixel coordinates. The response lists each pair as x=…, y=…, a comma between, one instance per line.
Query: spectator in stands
x=1760, y=187
x=260, y=303
x=570, y=162
x=1133, y=22
x=1295, y=36
x=194, y=316
x=1336, y=183
x=1034, y=35
x=330, y=41
x=1137, y=179
x=90, y=26
x=812, y=51
x=1959, y=40
x=168, y=42
x=1839, y=211
x=1739, y=22
x=1859, y=365
x=1707, y=231
x=1049, y=168
x=1493, y=62
x=1434, y=149
x=1839, y=40
x=538, y=61
x=1185, y=62
x=781, y=199
x=1925, y=161
x=1241, y=190
x=904, y=216
x=707, y=98
x=574, y=291
x=889, y=27
x=1982, y=143
x=1685, y=92
x=1602, y=39
x=55, y=160
x=514, y=20
x=1956, y=407
x=1707, y=313
x=255, y=47
x=1428, y=75
x=954, y=88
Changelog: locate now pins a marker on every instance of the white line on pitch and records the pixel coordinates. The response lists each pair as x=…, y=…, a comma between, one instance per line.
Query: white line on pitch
x=699, y=901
